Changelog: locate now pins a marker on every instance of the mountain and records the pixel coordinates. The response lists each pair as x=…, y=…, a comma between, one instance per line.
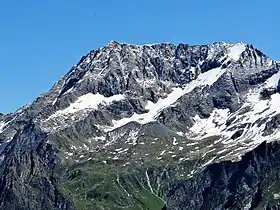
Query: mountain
x=158, y=126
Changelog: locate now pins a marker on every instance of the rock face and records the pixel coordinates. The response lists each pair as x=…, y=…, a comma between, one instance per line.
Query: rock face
x=27, y=177
x=136, y=127
x=252, y=183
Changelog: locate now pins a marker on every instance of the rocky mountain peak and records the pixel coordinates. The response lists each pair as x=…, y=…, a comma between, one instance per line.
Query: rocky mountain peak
x=155, y=111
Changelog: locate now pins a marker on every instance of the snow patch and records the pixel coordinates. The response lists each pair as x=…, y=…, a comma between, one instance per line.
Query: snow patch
x=210, y=126
x=208, y=162
x=272, y=81
x=87, y=101
x=191, y=144
x=123, y=151
x=175, y=142
x=276, y=195
x=69, y=153
x=236, y=51
x=180, y=133
x=222, y=151
x=119, y=149
x=162, y=153
x=4, y=124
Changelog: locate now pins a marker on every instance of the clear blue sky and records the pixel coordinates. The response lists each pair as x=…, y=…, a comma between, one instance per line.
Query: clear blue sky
x=41, y=40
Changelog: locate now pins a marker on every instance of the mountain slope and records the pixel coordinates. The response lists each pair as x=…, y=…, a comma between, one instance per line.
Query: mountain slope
x=128, y=123
x=252, y=183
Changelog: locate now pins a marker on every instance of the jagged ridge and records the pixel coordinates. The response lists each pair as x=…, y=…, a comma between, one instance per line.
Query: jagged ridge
x=164, y=109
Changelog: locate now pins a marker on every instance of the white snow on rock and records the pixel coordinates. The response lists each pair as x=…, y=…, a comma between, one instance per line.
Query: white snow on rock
x=262, y=109
x=253, y=111
x=208, y=162
x=162, y=153
x=276, y=195
x=236, y=50
x=272, y=81
x=258, y=109
x=209, y=126
x=207, y=78
x=180, y=133
x=87, y=101
x=175, y=142
x=2, y=125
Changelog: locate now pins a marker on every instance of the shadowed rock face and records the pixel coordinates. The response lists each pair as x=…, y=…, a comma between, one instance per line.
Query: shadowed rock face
x=252, y=183
x=133, y=127
x=28, y=179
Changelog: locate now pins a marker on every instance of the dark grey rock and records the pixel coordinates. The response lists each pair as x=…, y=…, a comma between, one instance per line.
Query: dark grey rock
x=28, y=179
x=232, y=185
